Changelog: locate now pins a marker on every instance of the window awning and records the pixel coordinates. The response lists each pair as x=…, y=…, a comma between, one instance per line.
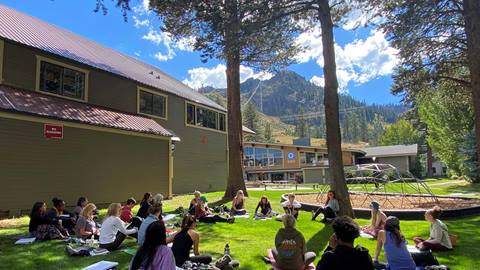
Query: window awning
x=37, y=104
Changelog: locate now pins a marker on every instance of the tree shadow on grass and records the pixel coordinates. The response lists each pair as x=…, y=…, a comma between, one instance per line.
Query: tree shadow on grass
x=319, y=240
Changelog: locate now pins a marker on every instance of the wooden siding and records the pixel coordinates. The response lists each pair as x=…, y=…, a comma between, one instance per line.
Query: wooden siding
x=103, y=166
x=201, y=156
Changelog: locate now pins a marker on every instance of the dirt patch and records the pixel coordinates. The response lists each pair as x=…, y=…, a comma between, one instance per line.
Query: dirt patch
x=390, y=201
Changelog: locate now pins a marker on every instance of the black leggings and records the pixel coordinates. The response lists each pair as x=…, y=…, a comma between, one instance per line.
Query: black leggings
x=213, y=219
x=327, y=212
x=115, y=244
x=135, y=223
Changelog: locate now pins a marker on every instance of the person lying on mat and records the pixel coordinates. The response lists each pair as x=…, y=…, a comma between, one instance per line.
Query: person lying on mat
x=291, y=206
x=378, y=220
x=395, y=245
x=183, y=242
x=86, y=226
x=330, y=209
x=439, y=239
x=290, y=252
x=203, y=213
x=113, y=230
x=265, y=208
x=154, y=253
x=341, y=253
x=238, y=205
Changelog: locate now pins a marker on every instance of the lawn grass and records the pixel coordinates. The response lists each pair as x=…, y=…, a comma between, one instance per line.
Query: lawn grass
x=248, y=240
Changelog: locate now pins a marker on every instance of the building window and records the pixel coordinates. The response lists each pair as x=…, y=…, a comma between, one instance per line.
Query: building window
x=261, y=157
x=248, y=157
x=151, y=103
x=62, y=81
x=275, y=157
x=308, y=158
x=434, y=170
x=203, y=117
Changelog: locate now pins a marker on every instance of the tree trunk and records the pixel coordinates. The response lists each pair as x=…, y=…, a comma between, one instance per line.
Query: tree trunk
x=334, y=141
x=429, y=161
x=472, y=30
x=235, y=180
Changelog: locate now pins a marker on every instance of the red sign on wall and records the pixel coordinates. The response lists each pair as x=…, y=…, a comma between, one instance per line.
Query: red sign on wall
x=53, y=131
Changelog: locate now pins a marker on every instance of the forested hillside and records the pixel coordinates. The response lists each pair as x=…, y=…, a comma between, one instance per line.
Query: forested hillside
x=297, y=107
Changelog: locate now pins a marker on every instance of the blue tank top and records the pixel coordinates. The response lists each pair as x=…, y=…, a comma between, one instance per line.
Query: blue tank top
x=398, y=257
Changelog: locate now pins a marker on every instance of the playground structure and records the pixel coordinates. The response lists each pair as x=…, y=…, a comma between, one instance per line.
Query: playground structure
x=398, y=193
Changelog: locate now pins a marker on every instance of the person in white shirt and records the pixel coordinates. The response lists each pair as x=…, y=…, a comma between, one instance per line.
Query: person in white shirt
x=113, y=230
x=291, y=206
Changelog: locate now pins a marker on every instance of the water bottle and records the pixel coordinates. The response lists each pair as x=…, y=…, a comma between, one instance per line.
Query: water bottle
x=227, y=250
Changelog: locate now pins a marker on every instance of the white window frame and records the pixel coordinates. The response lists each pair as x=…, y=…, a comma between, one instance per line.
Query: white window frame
x=41, y=59
x=207, y=108
x=139, y=89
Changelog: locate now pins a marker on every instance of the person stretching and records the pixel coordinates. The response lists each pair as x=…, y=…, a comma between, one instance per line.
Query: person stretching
x=330, y=209
x=203, y=214
x=439, y=239
x=291, y=206
x=378, y=220
x=154, y=254
x=113, y=231
x=183, y=242
x=238, y=205
x=395, y=245
x=265, y=208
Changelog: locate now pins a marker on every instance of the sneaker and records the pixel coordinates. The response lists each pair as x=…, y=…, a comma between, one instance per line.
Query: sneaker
x=231, y=220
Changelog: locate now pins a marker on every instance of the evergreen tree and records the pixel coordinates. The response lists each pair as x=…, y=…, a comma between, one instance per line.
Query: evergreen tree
x=301, y=128
x=267, y=133
x=250, y=117
x=377, y=130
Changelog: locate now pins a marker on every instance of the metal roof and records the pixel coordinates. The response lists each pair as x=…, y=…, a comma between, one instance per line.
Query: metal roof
x=391, y=150
x=38, y=104
x=24, y=29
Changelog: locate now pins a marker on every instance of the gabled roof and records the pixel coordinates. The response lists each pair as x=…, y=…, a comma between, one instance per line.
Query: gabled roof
x=24, y=29
x=391, y=150
x=37, y=104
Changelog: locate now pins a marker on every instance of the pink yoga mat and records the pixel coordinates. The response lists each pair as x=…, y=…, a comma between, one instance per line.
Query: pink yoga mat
x=274, y=264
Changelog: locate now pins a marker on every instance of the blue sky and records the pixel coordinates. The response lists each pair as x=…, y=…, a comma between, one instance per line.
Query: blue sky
x=364, y=59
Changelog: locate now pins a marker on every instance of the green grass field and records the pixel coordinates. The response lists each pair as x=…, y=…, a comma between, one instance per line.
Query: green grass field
x=248, y=239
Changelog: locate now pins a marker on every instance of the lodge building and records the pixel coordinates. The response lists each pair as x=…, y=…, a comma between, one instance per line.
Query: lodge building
x=80, y=119
x=294, y=163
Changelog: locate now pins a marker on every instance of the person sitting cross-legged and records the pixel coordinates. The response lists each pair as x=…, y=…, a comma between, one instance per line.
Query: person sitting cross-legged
x=341, y=253
x=154, y=214
x=330, y=209
x=395, y=245
x=265, y=208
x=439, y=239
x=144, y=205
x=86, y=227
x=238, y=205
x=186, y=239
x=291, y=206
x=43, y=227
x=113, y=230
x=203, y=213
x=378, y=220
x=290, y=252
x=154, y=254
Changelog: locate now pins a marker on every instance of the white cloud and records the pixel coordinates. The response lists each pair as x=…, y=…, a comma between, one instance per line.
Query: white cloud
x=216, y=77
x=160, y=38
x=185, y=44
x=319, y=81
x=138, y=23
x=143, y=8
x=359, y=61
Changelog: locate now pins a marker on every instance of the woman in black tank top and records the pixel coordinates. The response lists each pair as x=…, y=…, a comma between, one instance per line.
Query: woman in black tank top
x=238, y=205
x=185, y=240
